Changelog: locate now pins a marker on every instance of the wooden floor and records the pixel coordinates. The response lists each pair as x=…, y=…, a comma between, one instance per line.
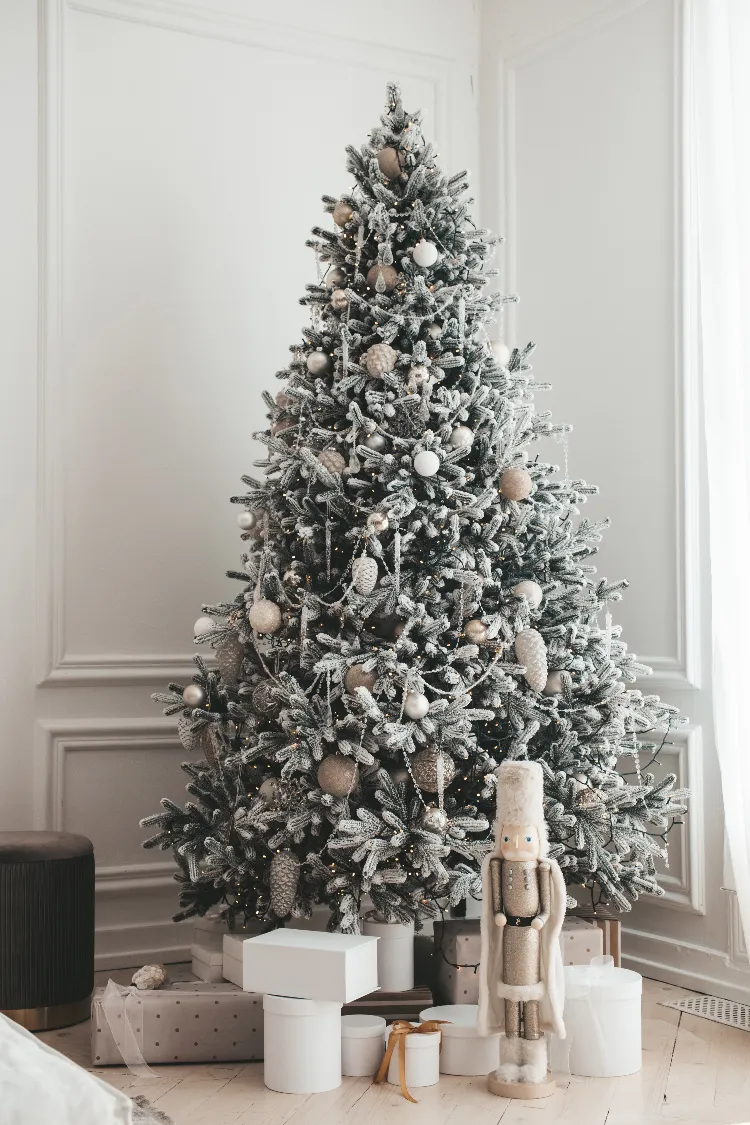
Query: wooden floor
x=694, y=1071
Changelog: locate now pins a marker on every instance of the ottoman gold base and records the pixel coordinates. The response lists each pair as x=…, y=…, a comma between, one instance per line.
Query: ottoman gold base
x=56, y=1015
x=525, y=1090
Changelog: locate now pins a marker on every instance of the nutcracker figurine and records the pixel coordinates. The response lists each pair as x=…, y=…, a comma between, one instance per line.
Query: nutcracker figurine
x=521, y=987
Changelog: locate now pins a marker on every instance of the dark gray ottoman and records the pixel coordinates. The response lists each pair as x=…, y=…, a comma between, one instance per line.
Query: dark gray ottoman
x=46, y=928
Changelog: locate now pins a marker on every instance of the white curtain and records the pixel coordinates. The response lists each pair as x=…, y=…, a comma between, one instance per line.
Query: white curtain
x=718, y=133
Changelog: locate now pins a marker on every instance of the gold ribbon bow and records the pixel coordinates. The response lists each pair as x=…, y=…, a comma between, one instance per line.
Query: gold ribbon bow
x=397, y=1038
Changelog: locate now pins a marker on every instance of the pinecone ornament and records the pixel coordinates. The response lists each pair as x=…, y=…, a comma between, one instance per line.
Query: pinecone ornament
x=194, y=739
x=531, y=651
x=150, y=976
x=379, y=360
x=284, y=881
x=229, y=656
x=364, y=574
x=426, y=768
x=332, y=460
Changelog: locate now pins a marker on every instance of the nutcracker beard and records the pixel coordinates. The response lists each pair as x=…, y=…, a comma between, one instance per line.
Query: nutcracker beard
x=521, y=989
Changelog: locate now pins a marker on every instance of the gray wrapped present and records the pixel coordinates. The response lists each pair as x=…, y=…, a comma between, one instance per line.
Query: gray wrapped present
x=185, y=1022
x=457, y=951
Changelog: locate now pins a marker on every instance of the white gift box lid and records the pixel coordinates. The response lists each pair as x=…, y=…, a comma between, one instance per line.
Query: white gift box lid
x=310, y=964
x=296, y=1006
x=600, y=980
x=362, y=1027
x=461, y=1019
x=424, y=1041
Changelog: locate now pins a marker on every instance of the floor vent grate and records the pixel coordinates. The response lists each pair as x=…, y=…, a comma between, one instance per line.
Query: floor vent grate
x=728, y=1012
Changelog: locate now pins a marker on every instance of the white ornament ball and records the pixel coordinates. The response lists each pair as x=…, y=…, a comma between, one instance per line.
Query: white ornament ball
x=364, y=575
x=425, y=253
x=461, y=436
x=193, y=696
x=337, y=775
x=247, y=520
x=268, y=790
x=501, y=352
x=416, y=705
x=342, y=213
x=389, y=163
x=475, y=632
x=531, y=651
x=150, y=976
x=554, y=685
x=378, y=522
x=432, y=819
x=203, y=625
x=435, y=331
x=419, y=375
x=426, y=463
x=339, y=299
x=530, y=590
x=376, y=442
x=318, y=363
x=429, y=767
x=264, y=616
x=335, y=278
x=332, y=460
x=380, y=360
x=388, y=274
x=516, y=484
x=357, y=676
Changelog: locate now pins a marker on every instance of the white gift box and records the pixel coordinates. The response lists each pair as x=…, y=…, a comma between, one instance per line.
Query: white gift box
x=580, y=941
x=603, y=1019
x=301, y=1045
x=361, y=1045
x=309, y=964
x=464, y=1050
x=395, y=953
x=207, y=956
x=422, y=1059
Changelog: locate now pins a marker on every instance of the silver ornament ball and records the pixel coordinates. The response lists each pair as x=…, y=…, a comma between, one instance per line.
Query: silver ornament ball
x=337, y=775
x=318, y=363
x=426, y=463
x=475, y=631
x=530, y=590
x=416, y=705
x=247, y=519
x=432, y=819
x=335, y=278
x=376, y=442
x=425, y=253
x=194, y=696
x=461, y=437
x=264, y=616
x=203, y=625
x=427, y=766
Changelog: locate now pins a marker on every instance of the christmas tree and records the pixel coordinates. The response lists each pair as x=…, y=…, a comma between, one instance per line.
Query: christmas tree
x=416, y=600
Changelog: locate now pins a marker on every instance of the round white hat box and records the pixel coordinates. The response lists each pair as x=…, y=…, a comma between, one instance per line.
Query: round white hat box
x=301, y=1045
x=464, y=1050
x=603, y=1019
x=361, y=1045
x=422, y=1060
x=395, y=953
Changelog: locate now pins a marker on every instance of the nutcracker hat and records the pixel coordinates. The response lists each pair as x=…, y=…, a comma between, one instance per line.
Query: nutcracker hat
x=520, y=798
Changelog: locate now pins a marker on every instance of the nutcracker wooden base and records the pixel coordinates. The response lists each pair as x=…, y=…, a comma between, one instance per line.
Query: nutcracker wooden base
x=525, y=1090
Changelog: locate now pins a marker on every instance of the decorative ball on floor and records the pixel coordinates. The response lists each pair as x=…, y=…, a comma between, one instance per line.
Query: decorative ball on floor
x=428, y=767
x=149, y=977
x=264, y=616
x=337, y=775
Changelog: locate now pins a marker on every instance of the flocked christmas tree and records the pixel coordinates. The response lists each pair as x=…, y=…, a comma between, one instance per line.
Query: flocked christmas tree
x=416, y=602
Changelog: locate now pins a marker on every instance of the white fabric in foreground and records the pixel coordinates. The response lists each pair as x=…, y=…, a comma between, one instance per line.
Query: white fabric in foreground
x=39, y=1086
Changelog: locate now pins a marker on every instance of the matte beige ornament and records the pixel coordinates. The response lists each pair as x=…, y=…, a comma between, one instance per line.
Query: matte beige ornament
x=375, y=441
x=194, y=696
x=357, y=676
x=264, y=616
x=554, y=685
x=265, y=701
x=229, y=657
x=530, y=590
x=339, y=299
x=149, y=977
x=531, y=651
x=342, y=213
x=389, y=163
x=364, y=574
x=388, y=274
x=516, y=484
x=380, y=360
x=332, y=460
x=378, y=522
x=318, y=363
x=426, y=768
x=284, y=878
x=475, y=631
x=337, y=775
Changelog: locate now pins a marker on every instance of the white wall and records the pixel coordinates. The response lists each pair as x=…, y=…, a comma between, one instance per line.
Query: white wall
x=581, y=141
x=177, y=168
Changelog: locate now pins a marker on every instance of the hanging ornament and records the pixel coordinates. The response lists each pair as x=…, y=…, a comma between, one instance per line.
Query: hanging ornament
x=399, y=774
x=461, y=436
x=516, y=484
x=203, y=625
x=194, y=696
x=426, y=767
x=434, y=331
x=389, y=163
x=380, y=271
x=193, y=738
x=475, y=632
x=376, y=442
x=554, y=685
x=531, y=651
x=501, y=352
x=337, y=775
x=530, y=590
x=426, y=463
x=342, y=213
x=419, y=375
x=379, y=360
x=280, y=425
x=284, y=401
x=265, y=701
x=416, y=705
x=264, y=616
x=357, y=676
x=268, y=790
x=247, y=519
x=587, y=798
x=229, y=657
x=335, y=278
x=284, y=878
x=425, y=253
x=432, y=819
x=378, y=522
x=332, y=460
x=339, y=299
x=364, y=574
x=318, y=363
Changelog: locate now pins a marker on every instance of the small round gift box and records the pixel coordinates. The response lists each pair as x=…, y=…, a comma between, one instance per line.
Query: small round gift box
x=603, y=1019
x=361, y=1044
x=464, y=1050
x=301, y=1044
x=422, y=1056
